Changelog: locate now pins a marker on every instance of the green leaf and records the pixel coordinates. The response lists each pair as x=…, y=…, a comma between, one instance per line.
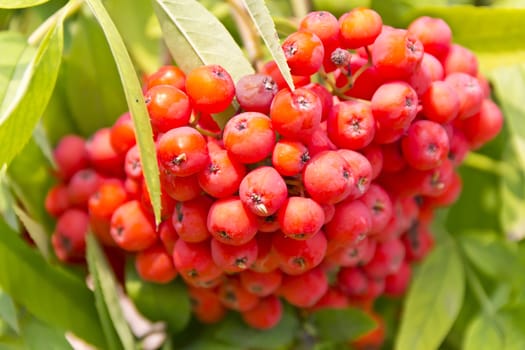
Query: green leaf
x=493, y=256
x=341, y=325
x=8, y=311
x=51, y=293
x=263, y=21
x=15, y=4
x=107, y=298
x=484, y=332
x=159, y=302
x=7, y=202
x=36, y=232
x=509, y=88
x=89, y=74
x=40, y=336
x=505, y=32
x=32, y=94
x=195, y=37
x=135, y=100
x=42, y=141
x=140, y=30
x=433, y=301
x=30, y=187
x=232, y=330
x=12, y=65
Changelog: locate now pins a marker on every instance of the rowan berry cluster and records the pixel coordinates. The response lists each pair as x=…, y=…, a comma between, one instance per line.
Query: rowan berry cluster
x=321, y=196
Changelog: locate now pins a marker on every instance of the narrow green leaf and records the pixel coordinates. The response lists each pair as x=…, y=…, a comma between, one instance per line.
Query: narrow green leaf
x=232, y=330
x=30, y=187
x=195, y=37
x=136, y=104
x=87, y=62
x=19, y=56
x=509, y=88
x=484, y=333
x=51, y=293
x=8, y=311
x=140, y=30
x=505, y=32
x=159, y=302
x=341, y=325
x=15, y=4
x=32, y=94
x=493, y=256
x=433, y=301
x=36, y=232
x=106, y=294
x=264, y=23
x=41, y=139
x=7, y=202
x=39, y=336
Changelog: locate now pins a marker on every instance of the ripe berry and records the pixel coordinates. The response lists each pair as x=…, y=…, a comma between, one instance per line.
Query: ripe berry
x=358, y=254
x=296, y=114
x=483, y=126
x=267, y=260
x=166, y=75
x=103, y=157
x=168, y=107
x=351, y=223
x=57, y=200
x=82, y=185
x=361, y=170
x=387, y=259
x=179, y=188
x=300, y=218
x=230, y=222
x=327, y=178
x=155, y=264
x=304, y=53
x=69, y=237
x=289, y=157
x=131, y=228
x=324, y=25
x=70, y=156
x=434, y=34
x=298, y=256
x=122, y=134
x=210, y=88
x=469, y=92
x=352, y=281
x=195, y=264
x=206, y=305
x=168, y=236
x=351, y=125
x=190, y=217
x=255, y=92
x=263, y=191
x=234, y=258
x=102, y=204
x=235, y=297
x=460, y=59
x=293, y=288
x=261, y=283
x=426, y=145
x=397, y=283
x=396, y=53
x=379, y=203
x=182, y=151
x=359, y=27
x=132, y=163
x=249, y=137
x=440, y=103
x=265, y=315
x=394, y=105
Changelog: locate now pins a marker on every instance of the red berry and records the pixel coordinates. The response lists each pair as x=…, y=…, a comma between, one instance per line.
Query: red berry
x=351, y=125
x=263, y=191
x=166, y=75
x=300, y=218
x=69, y=237
x=168, y=107
x=359, y=27
x=122, y=134
x=293, y=288
x=304, y=53
x=261, y=283
x=234, y=258
x=210, y=88
x=155, y=264
x=265, y=315
x=426, y=145
x=195, y=264
x=190, y=217
x=70, y=156
x=230, y=222
x=131, y=228
x=298, y=256
x=255, y=92
x=434, y=34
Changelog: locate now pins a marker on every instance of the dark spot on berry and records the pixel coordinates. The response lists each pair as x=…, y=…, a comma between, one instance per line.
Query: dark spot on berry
x=192, y=273
x=269, y=84
x=299, y=261
x=119, y=230
x=305, y=157
x=408, y=102
x=224, y=235
x=178, y=208
x=230, y=296
x=378, y=207
x=340, y=57
x=178, y=160
x=241, y=124
x=290, y=50
x=213, y=168
x=65, y=242
x=241, y=262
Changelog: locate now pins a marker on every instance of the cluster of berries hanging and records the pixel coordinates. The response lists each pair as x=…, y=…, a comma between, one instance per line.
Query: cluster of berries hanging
x=320, y=196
